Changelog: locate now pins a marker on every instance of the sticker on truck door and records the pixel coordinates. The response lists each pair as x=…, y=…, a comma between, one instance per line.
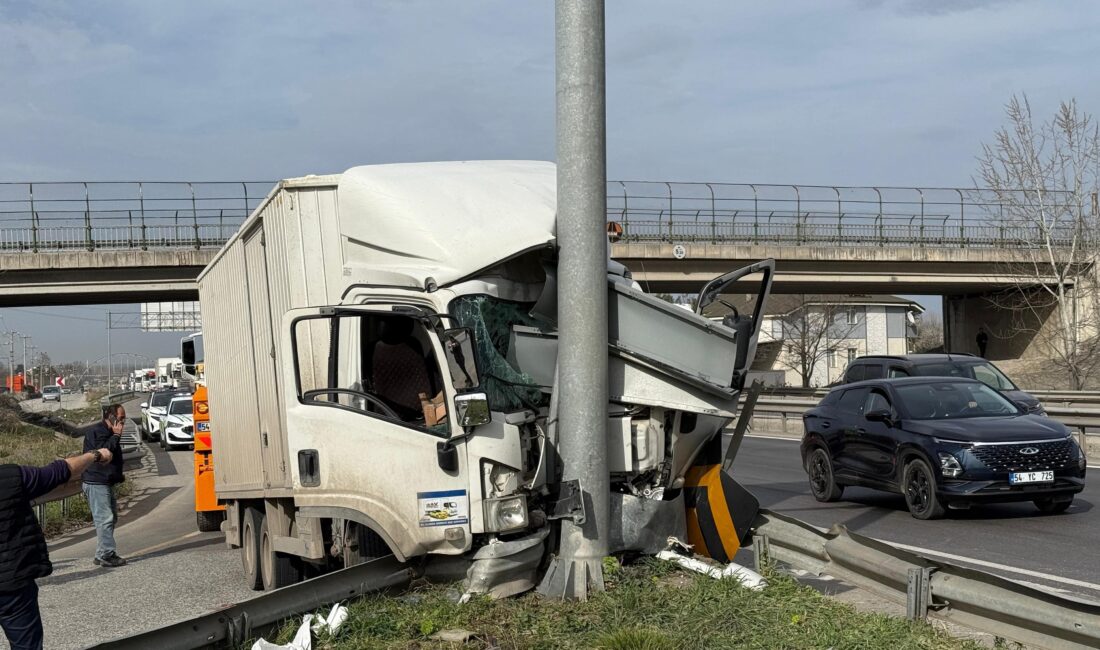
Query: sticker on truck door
x=446, y=508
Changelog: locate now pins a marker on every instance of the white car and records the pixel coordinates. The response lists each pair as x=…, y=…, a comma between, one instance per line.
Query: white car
x=51, y=393
x=152, y=412
x=177, y=425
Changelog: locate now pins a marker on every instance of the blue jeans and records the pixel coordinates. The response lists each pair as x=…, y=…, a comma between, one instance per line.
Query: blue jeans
x=101, y=500
x=20, y=618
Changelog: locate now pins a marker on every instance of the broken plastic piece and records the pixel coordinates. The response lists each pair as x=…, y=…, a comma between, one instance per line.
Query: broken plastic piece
x=744, y=575
x=303, y=640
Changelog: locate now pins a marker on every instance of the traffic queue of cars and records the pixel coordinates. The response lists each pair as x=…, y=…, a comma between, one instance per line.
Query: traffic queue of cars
x=944, y=431
x=168, y=420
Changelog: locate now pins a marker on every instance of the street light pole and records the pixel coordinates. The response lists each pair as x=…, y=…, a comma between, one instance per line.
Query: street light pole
x=25, y=337
x=108, y=353
x=582, y=295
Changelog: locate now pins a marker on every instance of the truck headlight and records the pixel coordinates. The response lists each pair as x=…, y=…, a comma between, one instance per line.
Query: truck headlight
x=949, y=465
x=507, y=513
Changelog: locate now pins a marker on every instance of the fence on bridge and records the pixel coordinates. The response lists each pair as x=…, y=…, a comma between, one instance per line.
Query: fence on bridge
x=831, y=215
x=138, y=215
x=141, y=215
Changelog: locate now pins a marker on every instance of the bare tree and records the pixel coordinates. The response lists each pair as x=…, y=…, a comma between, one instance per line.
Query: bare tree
x=929, y=334
x=1045, y=180
x=813, y=329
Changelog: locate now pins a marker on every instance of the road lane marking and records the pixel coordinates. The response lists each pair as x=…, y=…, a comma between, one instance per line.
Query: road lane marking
x=157, y=547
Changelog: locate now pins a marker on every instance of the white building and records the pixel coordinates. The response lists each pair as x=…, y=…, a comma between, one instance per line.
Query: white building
x=857, y=325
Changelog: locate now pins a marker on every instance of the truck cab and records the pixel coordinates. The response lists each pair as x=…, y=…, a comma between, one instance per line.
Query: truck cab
x=385, y=342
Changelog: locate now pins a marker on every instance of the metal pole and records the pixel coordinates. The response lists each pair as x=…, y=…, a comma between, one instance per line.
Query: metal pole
x=25, y=360
x=109, y=353
x=582, y=296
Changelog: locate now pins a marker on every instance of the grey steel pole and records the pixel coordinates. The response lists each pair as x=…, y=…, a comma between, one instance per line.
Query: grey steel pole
x=108, y=353
x=582, y=295
x=25, y=359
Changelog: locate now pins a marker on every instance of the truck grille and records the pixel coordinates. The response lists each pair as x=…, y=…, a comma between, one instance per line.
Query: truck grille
x=1055, y=454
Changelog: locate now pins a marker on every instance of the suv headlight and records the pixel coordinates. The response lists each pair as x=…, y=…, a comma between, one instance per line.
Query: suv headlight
x=507, y=513
x=949, y=465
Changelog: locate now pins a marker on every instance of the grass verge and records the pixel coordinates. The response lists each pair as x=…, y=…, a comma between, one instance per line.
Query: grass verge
x=23, y=443
x=648, y=606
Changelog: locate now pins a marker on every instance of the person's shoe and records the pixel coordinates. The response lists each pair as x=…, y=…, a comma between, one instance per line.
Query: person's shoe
x=96, y=561
x=112, y=561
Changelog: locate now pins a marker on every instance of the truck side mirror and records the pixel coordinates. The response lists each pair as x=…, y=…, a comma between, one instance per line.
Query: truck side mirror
x=458, y=344
x=472, y=409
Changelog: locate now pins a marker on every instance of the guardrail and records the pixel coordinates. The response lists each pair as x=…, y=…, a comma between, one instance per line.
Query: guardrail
x=232, y=626
x=972, y=598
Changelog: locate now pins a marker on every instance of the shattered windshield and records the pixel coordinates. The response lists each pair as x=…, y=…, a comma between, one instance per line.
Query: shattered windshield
x=491, y=320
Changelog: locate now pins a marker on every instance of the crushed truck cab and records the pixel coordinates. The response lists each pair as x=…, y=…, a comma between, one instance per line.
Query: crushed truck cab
x=381, y=357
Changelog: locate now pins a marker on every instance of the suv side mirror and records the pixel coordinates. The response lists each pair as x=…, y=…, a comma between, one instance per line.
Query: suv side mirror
x=145, y=405
x=880, y=415
x=472, y=409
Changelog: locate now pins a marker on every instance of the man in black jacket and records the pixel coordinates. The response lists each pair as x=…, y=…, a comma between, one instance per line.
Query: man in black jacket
x=23, y=554
x=99, y=483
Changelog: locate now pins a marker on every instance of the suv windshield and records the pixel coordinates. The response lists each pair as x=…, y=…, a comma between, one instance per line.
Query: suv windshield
x=161, y=399
x=180, y=407
x=950, y=400
x=983, y=371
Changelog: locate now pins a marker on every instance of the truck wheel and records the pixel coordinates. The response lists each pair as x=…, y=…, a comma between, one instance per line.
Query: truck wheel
x=250, y=548
x=278, y=569
x=209, y=520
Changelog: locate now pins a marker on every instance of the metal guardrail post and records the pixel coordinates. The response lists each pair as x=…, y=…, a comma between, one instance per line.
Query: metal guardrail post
x=919, y=593
x=761, y=552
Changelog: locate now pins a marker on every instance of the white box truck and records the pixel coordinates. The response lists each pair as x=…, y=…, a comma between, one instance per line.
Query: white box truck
x=380, y=359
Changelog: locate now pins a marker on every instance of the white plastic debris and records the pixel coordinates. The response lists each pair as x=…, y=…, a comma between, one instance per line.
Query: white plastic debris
x=303, y=640
x=744, y=575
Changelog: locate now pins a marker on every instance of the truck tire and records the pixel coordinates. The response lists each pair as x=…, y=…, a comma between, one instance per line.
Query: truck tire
x=278, y=569
x=209, y=520
x=250, y=548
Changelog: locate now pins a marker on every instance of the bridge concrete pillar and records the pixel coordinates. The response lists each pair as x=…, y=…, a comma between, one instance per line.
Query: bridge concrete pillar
x=1014, y=335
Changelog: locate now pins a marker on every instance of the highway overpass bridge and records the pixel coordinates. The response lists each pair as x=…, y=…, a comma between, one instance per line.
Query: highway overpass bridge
x=125, y=242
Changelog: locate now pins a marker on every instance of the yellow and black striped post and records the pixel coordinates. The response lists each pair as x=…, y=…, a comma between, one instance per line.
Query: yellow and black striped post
x=720, y=511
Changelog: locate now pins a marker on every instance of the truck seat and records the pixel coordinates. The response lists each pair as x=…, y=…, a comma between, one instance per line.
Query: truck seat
x=399, y=371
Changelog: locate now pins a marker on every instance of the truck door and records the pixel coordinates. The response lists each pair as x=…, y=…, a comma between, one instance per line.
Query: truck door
x=369, y=426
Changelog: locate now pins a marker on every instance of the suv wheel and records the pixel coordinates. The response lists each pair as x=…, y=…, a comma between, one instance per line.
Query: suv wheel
x=919, y=487
x=823, y=485
x=1051, y=507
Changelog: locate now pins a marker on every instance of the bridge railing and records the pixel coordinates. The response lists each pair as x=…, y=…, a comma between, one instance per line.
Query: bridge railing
x=851, y=216
x=123, y=215
x=786, y=229
x=157, y=215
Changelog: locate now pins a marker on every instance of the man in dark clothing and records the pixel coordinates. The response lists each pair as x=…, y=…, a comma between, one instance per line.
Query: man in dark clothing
x=99, y=483
x=23, y=553
x=983, y=339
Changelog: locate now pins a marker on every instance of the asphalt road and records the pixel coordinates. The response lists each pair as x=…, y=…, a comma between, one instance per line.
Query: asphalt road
x=1057, y=552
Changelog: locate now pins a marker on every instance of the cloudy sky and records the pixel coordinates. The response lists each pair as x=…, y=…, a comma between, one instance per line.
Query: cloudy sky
x=853, y=92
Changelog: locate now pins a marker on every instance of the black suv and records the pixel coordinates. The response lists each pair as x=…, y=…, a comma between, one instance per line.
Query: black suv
x=955, y=364
x=940, y=442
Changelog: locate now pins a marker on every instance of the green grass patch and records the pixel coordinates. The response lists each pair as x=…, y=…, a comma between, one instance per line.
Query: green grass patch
x=648, y=606
x=82, y=416
x=22, y=443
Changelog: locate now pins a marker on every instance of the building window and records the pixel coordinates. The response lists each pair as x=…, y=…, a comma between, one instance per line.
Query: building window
x=831, y=358
x=852, y=354
x=853, y=316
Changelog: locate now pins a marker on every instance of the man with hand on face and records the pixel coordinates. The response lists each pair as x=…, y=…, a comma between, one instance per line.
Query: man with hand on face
x=99, y=482
x=23, y=554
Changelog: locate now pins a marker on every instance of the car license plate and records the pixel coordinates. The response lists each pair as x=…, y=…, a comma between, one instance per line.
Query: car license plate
x=1016, y=478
